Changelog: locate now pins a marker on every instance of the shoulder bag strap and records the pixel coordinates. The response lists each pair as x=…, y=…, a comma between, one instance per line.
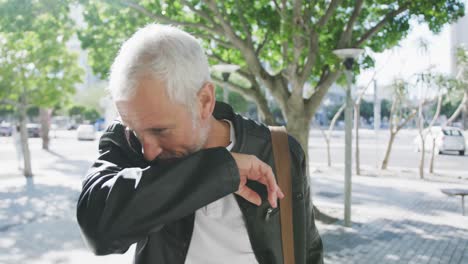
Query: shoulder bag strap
x=279, y=138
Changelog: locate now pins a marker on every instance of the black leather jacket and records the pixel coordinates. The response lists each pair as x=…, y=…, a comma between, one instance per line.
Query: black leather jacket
x=119, y=206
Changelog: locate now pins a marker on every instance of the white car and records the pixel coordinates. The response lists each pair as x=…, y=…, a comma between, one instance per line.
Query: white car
x=446, y=139
x=86, y=132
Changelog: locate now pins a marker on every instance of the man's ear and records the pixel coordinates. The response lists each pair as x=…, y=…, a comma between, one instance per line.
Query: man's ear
x=206, y=100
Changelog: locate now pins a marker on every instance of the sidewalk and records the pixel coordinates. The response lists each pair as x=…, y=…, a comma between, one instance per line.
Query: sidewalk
x=395, y=219
x=37, y=220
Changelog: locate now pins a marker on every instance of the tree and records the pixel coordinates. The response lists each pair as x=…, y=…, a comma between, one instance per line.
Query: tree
x=76, y=110
x=367, y=110
x=279, y=45
x=357, y=121
x=385, y=108
x=32, y=112
x=328, y=135
x=462, y=87
x=444, y=85
x=400, y=115
x=333, y=110
x=426, y=81
x=35, y=64
x=81, y=113
x=91, y=115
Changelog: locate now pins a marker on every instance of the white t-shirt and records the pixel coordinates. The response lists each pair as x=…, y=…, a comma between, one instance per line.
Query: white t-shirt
x=220, y=234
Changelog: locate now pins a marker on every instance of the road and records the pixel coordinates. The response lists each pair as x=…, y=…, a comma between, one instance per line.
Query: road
x=372, y=149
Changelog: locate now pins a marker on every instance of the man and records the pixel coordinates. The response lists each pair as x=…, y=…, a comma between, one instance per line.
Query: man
x=183, y=176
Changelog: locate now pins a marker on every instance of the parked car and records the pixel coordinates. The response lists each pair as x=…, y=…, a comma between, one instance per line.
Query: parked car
x=5, y=129
x=34, y=130
x=86, y=132
x=446, y=139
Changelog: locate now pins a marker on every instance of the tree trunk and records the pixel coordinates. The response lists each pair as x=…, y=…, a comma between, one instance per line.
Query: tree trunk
x=393, y=132
x=330, y=130
x=389, y=150
x=24, y=141
x=421, y=161
x=45, y=127
x=465, y=112
x=327, y=141
x=298, y=121
x=434, y=119
x=431, y=164
x=356, y=127
x=459, y=109
x=298, y=127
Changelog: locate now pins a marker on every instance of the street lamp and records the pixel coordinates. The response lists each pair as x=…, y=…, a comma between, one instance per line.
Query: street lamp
x=348, y=56
x=226, y=70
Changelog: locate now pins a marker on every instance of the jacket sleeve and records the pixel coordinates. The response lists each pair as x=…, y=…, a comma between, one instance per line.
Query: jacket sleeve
x=122, y=201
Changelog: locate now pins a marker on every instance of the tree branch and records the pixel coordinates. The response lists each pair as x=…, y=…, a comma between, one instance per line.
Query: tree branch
x=379, y=25
x=298, y=47
x=345, y=38
x=215, y=38
x=247, y=49
x=253, y=94
x=244, y=23
x=335, y=118
x=330, y=10
x=321, y=90
x=408, y=118
x=458, y=110
x=200, y=13
x=248, y=76
x=436, y=114
x=260, y=47
x=278, y=8
x=167, y=20
x=9, y=102
x=311, y=57
x=278, y=89
x=392, y=113
x=246, y=93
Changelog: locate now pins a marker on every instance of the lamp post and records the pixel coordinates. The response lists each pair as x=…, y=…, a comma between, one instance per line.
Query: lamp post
x=226, y=70
x=348, y=56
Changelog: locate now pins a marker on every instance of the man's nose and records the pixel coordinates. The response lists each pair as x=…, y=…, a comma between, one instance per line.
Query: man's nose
x=151, y=150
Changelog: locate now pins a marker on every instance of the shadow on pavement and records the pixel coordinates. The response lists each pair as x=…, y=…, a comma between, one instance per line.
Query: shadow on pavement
x=36, y=219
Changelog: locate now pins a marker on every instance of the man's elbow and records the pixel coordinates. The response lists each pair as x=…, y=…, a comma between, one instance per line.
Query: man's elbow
x=100, y=241
x=100, y=244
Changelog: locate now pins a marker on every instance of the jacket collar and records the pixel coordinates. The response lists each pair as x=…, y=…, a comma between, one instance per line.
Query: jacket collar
x=225, y=111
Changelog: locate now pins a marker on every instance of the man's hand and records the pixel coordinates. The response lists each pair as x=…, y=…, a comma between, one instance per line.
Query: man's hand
x=252, y=168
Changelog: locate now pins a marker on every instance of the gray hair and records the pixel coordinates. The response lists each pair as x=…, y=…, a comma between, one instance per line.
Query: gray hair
x=165, y=53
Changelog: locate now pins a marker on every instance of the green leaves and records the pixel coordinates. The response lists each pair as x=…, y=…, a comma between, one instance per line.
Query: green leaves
x=287, y=41
x=109, y=24
x=36, y=63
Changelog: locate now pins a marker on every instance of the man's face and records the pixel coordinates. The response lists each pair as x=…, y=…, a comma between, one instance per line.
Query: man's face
x=165, y=129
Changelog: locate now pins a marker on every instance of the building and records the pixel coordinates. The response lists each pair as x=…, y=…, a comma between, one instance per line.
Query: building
x=459, y=37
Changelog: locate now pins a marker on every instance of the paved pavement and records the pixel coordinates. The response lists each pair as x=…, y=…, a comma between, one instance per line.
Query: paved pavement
x=395, y=220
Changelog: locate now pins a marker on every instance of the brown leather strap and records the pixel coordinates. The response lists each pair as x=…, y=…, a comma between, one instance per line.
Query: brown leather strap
x=279, y=138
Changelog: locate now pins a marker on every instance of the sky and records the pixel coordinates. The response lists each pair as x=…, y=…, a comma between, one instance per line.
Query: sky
x=408, y=58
